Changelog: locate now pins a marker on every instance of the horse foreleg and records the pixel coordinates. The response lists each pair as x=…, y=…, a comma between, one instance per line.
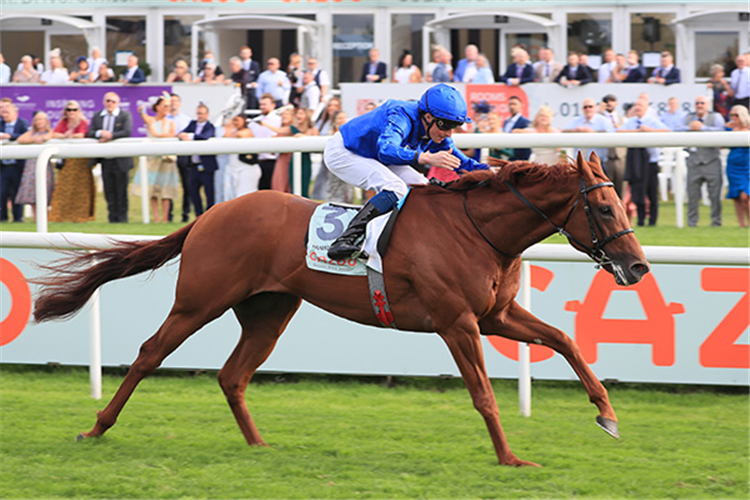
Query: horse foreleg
x=466, y=347
x=173, y=332
x=263, y=319
x=518, y=324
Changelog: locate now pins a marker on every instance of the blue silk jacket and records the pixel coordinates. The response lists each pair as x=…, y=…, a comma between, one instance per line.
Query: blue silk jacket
x=393, y=134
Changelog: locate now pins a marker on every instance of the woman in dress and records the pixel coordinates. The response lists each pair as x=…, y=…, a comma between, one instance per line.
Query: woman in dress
x=542, y=124
x=406, y=71
x=242, y=171
x=280, y=179
x=163, y=176
x=74, y=191
x=39, y=133
x=105, y=74
x=723, y=92
x=738, y=166
x=27, y=73
x=303, y=127
x=324, y=124
x=180, y=74
x=83, y=73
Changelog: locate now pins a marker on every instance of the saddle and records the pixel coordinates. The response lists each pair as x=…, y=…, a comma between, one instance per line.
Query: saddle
x=327, y=223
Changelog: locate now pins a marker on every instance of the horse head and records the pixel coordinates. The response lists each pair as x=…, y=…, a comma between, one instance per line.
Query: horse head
x=599, y=217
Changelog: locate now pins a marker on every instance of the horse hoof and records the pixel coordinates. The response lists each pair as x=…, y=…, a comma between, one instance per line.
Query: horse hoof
x=609, y=426
x=80, y=437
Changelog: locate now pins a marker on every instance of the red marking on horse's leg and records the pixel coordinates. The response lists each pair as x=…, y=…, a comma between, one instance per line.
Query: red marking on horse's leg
x=173, y=332
x=263, y=318
x=518, y=324
x=466, y=347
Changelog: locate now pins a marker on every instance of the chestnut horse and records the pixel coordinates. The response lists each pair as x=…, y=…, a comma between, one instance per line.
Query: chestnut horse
x=452, y=267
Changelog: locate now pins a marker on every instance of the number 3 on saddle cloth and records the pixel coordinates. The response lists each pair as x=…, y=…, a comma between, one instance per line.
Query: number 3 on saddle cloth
x=326, y=224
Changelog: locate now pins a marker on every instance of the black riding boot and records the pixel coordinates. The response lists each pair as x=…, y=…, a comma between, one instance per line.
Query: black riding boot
x=353, y=238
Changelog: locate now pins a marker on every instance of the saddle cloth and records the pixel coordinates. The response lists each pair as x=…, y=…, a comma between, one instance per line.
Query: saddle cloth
x=326, y=224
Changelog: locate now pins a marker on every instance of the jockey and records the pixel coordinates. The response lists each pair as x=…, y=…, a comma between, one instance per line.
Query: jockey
x=379, y=150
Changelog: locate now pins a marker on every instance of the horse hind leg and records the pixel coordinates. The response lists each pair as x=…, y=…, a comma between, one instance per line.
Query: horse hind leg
x=518, y=324
x=178, y=326
x=263, y=318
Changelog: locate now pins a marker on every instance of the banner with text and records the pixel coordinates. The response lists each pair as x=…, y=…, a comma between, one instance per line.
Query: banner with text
x=681, y=324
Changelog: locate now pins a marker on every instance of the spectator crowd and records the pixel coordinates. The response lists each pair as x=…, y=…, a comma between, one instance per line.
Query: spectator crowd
x=296, y=101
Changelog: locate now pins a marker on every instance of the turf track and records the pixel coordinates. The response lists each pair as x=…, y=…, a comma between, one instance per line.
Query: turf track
x=359, y=438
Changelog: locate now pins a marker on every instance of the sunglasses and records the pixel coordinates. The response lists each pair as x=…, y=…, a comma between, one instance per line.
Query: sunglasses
x=70, y=110
x=446, y=125
x=110, y=100
x=588, y=107
x=734, y=114
x=700, y=102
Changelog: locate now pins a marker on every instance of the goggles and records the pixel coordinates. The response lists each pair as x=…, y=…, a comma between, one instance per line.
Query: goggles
x=446, y=125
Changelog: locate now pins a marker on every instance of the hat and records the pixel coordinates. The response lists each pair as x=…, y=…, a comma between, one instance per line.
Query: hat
x=609, y=98
x=81, y=58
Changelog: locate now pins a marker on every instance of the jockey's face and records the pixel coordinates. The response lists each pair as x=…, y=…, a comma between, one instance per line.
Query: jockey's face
x=436, y=135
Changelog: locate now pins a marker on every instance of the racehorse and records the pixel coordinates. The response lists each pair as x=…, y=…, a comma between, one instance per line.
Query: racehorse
x=452, y=267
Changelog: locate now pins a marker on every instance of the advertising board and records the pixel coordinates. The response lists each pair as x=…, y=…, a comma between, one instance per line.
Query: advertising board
x=681, y=324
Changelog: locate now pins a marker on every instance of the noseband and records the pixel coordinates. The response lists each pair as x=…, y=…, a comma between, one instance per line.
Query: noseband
x=596, y=251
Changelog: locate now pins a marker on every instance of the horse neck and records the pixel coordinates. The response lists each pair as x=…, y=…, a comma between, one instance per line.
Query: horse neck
x=511, y=225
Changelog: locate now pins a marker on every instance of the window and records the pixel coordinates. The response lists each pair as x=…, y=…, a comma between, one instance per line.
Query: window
x=589, y=33
x=532, y=42
x=652, y=32
x=177, y=31
x=352, y=40
x=406, y=34
x=126, y=34
x=715, y=47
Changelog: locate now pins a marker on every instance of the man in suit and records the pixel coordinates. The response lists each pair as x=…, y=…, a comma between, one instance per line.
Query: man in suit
x=520, y=71
x=666, y=74
x=546, y=69
x=635, y=73
x=133, y=74
x=467, y=67
x=574, y=73
x=110, y=124
x=253, y=70
x=11, y=127
x=202, y=167
x=514, y=121
x=615, y=164
x=374, y=70
x=703, y=164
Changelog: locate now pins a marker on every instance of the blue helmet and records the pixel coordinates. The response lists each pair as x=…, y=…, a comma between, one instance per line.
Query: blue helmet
x=444, y=102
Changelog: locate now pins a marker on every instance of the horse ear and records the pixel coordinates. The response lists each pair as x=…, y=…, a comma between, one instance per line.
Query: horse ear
x=496, y=162
x=583, y=167
x=594, y=158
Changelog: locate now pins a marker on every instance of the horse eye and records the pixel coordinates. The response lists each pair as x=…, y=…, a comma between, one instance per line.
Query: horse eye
x=605, y=210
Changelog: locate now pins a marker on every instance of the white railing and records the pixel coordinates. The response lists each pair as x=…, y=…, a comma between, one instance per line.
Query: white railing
x=542, y=252
x=90, y=148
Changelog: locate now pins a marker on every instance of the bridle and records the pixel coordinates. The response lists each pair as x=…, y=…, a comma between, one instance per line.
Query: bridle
x=595, y=251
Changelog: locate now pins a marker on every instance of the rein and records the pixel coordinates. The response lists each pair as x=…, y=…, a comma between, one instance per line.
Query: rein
x=596, y=251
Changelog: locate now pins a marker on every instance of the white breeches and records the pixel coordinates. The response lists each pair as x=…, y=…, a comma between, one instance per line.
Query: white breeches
x=366, y=173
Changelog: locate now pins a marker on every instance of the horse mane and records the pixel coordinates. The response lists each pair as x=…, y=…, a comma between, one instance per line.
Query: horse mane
x=518, y=173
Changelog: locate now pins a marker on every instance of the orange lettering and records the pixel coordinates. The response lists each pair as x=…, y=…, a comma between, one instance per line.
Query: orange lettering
x=658, y=329
x=719, y=349
x=540, y=280
x=20, y=302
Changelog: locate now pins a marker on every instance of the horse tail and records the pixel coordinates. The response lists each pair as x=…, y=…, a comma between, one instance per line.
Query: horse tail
x=71, y=282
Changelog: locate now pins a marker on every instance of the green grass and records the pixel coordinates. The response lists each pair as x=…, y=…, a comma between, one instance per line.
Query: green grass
x=335, y=437
x=665, y=233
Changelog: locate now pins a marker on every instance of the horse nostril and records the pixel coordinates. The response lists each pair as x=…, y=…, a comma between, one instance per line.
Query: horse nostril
x=639, y=268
